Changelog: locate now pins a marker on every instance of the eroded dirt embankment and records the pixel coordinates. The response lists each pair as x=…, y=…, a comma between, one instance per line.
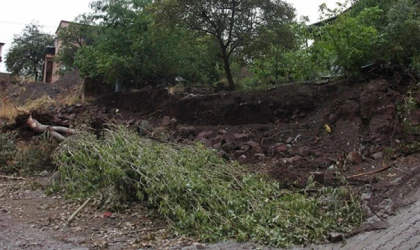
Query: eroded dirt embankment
x=280, y=132
x=360, y=114
x=282, y=128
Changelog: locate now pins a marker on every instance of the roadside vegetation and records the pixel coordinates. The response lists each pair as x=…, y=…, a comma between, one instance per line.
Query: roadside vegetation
x=199, y=193
x=25, y=159
x=228, y=44
x=152, y=45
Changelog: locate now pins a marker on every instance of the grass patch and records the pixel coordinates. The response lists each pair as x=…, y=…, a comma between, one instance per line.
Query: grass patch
x=35, y=156
x=42, y=102
x=7, y=150
x=25, y=158
x=73, y=96
x=200, y=194
x=9, y=110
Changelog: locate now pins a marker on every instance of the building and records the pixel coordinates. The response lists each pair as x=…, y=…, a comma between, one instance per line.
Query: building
x=1, y=46
x=51, y=67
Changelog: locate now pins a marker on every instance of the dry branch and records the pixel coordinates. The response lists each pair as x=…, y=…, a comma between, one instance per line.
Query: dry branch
x=54, y=131
x=12, y=177
x=146, y=230
x=384, y=167
x=78, y=210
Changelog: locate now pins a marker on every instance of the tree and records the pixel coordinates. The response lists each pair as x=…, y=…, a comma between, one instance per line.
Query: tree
x=296, y=62
x=132, y=48
x=80, y=33
x=386, y=30
x=233, y=23
x=26, y=55
x=403, y=31
x=351, y=40
x=121, y=24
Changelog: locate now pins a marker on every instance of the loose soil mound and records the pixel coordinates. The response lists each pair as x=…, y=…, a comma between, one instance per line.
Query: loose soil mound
x=20, y=94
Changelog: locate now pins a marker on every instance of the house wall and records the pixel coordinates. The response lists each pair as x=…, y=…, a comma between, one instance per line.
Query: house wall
x=47, y=75
x=51, y=67
x=58, y=44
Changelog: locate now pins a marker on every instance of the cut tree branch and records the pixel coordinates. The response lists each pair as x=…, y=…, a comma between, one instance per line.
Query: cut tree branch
x=78, y=210
x=54, y=131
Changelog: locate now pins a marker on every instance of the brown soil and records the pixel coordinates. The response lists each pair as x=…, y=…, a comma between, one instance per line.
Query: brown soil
x=21, y=93
x=279, y=131
x=31, y=220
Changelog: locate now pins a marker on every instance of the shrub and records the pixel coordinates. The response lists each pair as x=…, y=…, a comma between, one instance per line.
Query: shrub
x=26, y=157
x=35, y=156
x=350, y=42
x=199, y=193
x=7, y=151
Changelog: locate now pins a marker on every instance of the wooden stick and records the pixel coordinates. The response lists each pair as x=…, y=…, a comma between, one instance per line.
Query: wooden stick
x=146, y=230
x=64, y=130
x=265, y=138
x=385, y=167
x=12, y=177
x=78, y=210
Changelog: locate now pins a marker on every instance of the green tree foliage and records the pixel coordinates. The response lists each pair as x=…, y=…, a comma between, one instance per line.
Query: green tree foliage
x=404, y=31
x=236, y=25
x=147, y=41
x=26, y=55
x=384, y=5
x=350, y=41
x=132, y=47
x=78, y=34
x=397, y=22
x=368, y=31
x=280, y=63
x=198, y=193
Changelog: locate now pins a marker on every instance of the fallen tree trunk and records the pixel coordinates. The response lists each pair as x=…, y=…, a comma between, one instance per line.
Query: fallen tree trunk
x=54, y=131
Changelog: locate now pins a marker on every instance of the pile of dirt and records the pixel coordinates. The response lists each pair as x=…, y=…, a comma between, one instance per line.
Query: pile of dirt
x=20, y=94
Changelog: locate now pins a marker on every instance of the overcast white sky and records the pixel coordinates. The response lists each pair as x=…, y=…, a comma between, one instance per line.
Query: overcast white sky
x=15, y=14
